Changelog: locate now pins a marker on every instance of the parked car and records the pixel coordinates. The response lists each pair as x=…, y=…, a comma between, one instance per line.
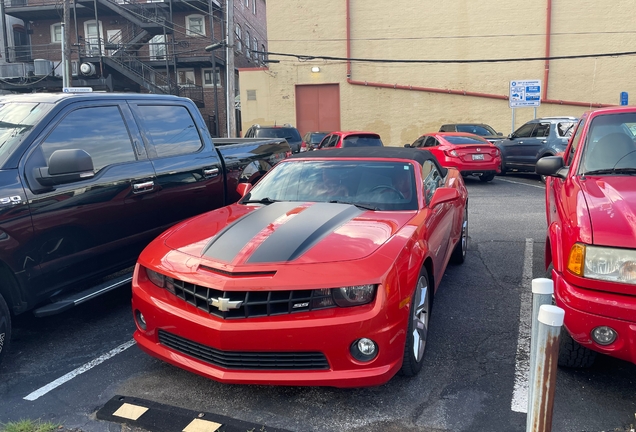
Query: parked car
x=324, y=282
x=349, y=139
x=590, y=246
x=536, y=139
x=286, y=131
x=88, y=180
x=470, y=154
x=481, y=129
x=311, y=140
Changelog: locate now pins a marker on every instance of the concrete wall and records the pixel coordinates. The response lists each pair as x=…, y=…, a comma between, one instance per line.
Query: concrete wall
x=454, y=29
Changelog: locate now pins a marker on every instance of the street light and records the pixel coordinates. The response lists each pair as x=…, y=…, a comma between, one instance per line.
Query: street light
x=215, y=46
x=211, y=48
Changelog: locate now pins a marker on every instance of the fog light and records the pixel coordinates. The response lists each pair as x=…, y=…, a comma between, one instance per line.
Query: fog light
x=141, y=321
x=604, y=335
x=364, y=350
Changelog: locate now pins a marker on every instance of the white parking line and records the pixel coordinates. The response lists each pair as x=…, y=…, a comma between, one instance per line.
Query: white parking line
x=522, y=360
x=521, y=183
x=80, y=370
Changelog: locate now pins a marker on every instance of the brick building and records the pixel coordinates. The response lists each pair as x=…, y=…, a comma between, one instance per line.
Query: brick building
x=131, y=46
x=401, y=101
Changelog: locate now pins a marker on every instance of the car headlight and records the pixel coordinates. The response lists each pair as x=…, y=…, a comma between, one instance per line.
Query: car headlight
x=160, y=280
x=603, y=263
x=353, y=295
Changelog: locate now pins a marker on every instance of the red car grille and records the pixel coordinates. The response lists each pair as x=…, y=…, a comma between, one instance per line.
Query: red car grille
x=245, y=360
x=250, y=304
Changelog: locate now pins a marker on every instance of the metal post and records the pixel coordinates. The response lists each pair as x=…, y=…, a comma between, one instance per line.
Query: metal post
x=4, y=32
x=542, y=290
x=214, y=81
x=535, y=112
x=544, y=368
x=513, y=120
x=229, y=69
x=66, y=44
x=64, y=76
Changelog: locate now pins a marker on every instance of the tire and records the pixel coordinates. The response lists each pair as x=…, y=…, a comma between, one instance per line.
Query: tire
x=5, y=328
x=417, y=333
x=487, y=177
x=459, y=253
x=572, y=354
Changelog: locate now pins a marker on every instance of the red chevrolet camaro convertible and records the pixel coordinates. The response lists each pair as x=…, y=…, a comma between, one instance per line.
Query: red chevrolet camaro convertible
x=322, y=274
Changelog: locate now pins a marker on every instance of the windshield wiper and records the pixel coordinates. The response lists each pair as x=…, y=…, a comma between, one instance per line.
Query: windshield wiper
x=362, y=206
x=266, y=201
x=612, y=171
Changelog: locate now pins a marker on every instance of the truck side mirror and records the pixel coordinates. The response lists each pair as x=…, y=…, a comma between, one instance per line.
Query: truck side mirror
x=499, y=133
x=65, y=166
x=407, y=145
x=552, y=166
x=511, y=136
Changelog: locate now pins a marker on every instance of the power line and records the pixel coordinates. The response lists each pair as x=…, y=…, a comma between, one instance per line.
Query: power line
x=304, y=57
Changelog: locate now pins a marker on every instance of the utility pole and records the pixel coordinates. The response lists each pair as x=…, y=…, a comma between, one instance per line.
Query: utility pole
x=66, y=45
x=229, y=69
x=214, y=81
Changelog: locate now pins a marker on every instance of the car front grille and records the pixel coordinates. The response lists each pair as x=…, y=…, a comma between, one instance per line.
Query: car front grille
x=250, y=304
x=245, y=360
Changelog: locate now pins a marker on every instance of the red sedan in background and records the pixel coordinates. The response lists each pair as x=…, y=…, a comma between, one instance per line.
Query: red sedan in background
x=470, y=154
x=326, y=282
x=350, y=139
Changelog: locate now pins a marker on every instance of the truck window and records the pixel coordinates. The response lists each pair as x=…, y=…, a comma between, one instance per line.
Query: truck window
x=106, y=140
x=575, y=142
x=171, y=129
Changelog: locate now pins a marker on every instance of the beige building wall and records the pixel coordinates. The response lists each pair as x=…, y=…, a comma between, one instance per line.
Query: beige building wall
x=453, y=29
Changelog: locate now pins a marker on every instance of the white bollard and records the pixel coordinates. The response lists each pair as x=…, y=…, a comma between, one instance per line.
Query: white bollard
x=542, y=291
x=544, y=368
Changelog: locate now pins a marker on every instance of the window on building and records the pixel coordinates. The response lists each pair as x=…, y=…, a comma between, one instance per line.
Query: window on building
x=208, y=78
x=254, y=7
x=263, y=55
x=185, y=77
x=56, y=33
x=157, y=47
x=248, y=52
x=255, y=48
x=247, y=3
x=237, y=35
x=195, y=25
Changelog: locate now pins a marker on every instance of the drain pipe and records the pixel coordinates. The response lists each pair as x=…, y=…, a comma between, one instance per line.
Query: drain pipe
x=548, y=37
x=449, y=91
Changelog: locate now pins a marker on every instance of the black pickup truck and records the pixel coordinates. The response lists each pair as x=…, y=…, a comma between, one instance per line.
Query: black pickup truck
x=87, y=180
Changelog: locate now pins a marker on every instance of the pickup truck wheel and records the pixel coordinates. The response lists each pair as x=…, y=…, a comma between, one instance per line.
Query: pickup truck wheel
x=5, y=328
x=459, y=253
x=417, y=332
x=572, y=354
x=487, y=177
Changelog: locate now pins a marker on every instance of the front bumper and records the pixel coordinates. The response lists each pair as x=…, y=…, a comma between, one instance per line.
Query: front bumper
x=329, y=331
x=580, y=320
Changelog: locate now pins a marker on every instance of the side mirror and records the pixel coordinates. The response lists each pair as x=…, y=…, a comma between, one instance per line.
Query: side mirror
x=407, y=145
x=552, y=166
x=243, y=189
x=511, y=136
x=65, y=166
x=442, y=195
x=499, y=133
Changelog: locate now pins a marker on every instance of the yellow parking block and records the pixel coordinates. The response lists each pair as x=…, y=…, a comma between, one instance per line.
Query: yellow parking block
x=130, y=411
x=198, y=425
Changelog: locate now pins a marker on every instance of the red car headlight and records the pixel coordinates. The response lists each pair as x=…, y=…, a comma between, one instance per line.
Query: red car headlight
x=354, y=295
x=160, y=280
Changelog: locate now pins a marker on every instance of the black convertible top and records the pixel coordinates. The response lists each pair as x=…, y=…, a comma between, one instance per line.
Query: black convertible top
x=417, y=155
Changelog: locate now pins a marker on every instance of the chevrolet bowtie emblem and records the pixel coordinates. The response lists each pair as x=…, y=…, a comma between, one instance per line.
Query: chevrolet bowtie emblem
x=478, y=149
x=225, y=304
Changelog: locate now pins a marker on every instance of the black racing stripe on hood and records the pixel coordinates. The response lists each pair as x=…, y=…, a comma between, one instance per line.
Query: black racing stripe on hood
x=229, y=242
x=300, y=233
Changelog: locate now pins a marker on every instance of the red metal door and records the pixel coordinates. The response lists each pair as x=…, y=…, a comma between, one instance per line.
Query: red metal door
x=317, y=108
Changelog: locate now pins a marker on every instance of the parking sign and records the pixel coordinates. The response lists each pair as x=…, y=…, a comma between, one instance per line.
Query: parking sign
x=525, y=93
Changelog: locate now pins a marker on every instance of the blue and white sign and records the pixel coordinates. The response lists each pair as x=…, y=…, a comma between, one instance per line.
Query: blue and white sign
x=624, y=98
x=525, y=93
x=77, y=89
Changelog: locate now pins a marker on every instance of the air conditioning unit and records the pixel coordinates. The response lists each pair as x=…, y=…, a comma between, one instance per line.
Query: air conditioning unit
x=74, y=67
x=87, y=69
x=42, y=67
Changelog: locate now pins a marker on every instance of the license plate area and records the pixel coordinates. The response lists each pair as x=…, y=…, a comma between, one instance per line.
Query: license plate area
x=478, y=157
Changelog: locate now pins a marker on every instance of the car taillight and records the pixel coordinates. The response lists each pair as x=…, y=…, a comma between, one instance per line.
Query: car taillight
x=303, y=146
x=495, y=152
x=451, y=153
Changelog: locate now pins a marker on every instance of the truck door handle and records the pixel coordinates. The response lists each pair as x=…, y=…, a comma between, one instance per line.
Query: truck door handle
x=210, y=172
x=543, y=142
x=143, y=187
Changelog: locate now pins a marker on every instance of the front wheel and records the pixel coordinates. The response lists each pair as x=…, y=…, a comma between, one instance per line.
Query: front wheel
x=417, y=333
x=572, y=354
x=5, y=328
x=459, y=253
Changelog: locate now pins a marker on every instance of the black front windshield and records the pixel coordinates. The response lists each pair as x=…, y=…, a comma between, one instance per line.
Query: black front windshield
x=481, y=130
x=611, y=145
x=290, y=134
x=377, y=185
